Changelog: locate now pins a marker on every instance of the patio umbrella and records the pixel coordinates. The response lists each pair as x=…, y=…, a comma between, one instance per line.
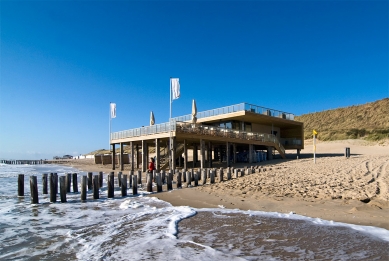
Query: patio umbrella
x=152, y=120
x=194, y=112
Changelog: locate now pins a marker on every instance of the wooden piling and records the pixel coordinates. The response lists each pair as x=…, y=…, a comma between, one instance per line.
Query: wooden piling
x=169, y=181
x=124, y=185
x=221, y=175
x=134, y=185
x=236, y=173
x=100, y=179
x=44, y=183
x=83, y=187
x=63, y=187
x=21, y=185
x=149, y=186
x=159, y=182
x=53, y=193
x=34, y=190
x=184, y=176
x=90, y=181
x=139, y=179
x=130, y=179
x=204, y=177
x=188, y=179
x=96, y=187
x=75, y=183
x=163, y=176
x=120, y=179
x=228, y=174
x=111, y=188
x=196, y=178
x=56, y=183
x=68, y=182
x=179, y=184
x=212, y=176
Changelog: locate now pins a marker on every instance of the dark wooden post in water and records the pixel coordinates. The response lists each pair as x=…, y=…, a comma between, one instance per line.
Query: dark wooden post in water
x=63, y=186
x=130, y=178
x=149, y=186
x=111, y=188
x=169, y=182
x=159, y=182
x=44, y=183
x=75, y=182
x=83, y=187
x=56, y=183
x=90, y=184
x=120, y=179
x=100, y=179
x=68, y=182
x=53, y=193
x=134, y=185
x=139, y=179
x=21, y=185
x=96, y=187
x=34, y=190
x=163, y=176
x=124, y=185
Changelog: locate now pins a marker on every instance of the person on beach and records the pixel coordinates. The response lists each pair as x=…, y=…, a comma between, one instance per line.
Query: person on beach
x=151, y=165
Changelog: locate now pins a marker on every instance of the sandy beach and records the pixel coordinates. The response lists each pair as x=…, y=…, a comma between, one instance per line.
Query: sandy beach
x=353, y=190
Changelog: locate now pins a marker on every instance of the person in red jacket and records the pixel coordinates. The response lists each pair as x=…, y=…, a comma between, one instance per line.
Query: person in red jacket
x=151, y=165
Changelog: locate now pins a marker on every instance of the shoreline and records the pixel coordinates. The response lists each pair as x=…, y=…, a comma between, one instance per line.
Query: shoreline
x=333, y=189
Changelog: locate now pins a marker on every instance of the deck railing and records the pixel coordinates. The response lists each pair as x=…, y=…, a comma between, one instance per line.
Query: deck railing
x=236, y=108
x=154, y=129
x=227, y=133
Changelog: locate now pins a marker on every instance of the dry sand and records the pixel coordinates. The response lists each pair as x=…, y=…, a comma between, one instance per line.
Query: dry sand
x=354, y=190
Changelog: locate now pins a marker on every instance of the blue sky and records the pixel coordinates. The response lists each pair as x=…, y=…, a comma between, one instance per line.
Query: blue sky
x=63, y=62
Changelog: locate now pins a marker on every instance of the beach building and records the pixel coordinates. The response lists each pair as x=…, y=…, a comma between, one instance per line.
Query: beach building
x=236, y=133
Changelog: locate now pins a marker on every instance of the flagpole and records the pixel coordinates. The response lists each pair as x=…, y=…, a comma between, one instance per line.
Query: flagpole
x=110, y=119
x=170, y=127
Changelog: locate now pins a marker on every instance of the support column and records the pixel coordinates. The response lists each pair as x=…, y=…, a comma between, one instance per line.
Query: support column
x=113, y=156
x=194, y=155
x=121, y=156
x=157, y=155
x=228, y=153
x=137, y=156
x=216, y=153
x=132, y=155
x=174, y=153
x=298, y=153
x=144, y=154
x=202, y=152
x=220, y=154
x=269, y=153
x=234, y=151
x=250, y=153
x=185, y=155
x=209, y=154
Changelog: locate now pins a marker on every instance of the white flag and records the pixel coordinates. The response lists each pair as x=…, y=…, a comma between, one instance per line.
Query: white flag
x=175, y=83
x=113, y=110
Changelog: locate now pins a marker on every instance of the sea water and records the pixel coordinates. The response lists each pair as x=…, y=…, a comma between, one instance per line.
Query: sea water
x=146, y=228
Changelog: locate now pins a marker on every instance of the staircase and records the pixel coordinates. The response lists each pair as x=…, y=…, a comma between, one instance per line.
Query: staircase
x=165, y=158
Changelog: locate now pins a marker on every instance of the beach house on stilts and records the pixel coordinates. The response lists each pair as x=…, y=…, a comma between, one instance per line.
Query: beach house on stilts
x=236, y=133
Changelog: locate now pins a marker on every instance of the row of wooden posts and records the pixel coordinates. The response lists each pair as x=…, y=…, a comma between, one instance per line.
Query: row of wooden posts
x=95, y=182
